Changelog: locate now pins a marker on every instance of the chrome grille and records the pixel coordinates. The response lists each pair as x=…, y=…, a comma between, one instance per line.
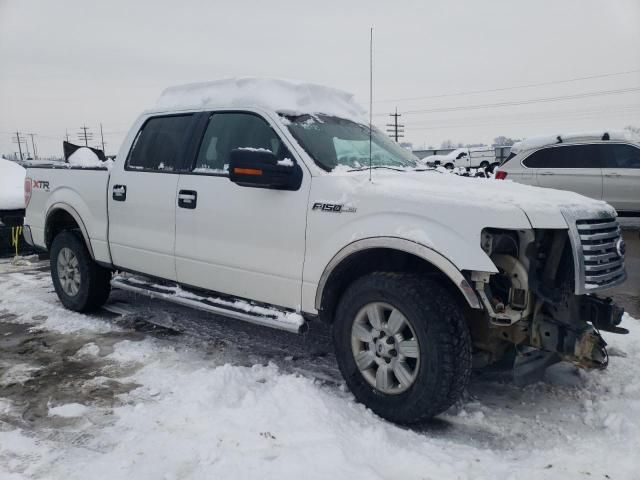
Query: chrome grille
x=601, y=262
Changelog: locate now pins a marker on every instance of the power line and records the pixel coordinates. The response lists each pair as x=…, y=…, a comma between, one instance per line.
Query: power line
x=521, y=102
x=502, y=89
x=85, y=135
x=396, y=129
x=593, y=112
x=507, y=122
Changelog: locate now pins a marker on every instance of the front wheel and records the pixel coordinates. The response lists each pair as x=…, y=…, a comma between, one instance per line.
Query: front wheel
x=81, y=284
x=402, y=345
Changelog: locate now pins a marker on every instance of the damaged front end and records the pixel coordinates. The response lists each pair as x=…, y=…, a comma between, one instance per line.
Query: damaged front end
x=542, y=301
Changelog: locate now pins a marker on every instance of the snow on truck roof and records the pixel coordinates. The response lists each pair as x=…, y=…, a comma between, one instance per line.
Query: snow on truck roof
x=545, y=140
x=282, y=96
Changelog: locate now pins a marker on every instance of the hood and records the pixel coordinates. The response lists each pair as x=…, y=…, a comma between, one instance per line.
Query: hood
x=543, y=207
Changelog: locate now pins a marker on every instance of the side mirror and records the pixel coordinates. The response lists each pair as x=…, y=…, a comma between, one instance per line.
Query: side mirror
x=259, y=168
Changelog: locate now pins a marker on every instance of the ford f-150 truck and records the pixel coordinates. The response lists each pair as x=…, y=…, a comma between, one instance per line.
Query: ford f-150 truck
x=273, y=202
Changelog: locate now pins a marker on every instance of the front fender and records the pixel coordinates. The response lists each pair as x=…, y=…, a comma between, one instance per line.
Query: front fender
x=332, y=237
x=404, y=245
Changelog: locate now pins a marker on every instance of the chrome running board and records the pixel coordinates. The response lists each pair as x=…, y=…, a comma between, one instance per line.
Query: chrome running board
x=234, y=308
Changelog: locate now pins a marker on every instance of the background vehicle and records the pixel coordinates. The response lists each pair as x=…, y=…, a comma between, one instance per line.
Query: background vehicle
x=255, y=204
x=467, y=157
x=603, y=166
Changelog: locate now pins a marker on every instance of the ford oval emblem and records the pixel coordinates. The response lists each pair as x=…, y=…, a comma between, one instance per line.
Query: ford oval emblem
x=621, y=247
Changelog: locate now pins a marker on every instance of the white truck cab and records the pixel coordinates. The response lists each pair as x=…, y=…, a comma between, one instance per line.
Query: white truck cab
x=254, y=199
x=465, y=157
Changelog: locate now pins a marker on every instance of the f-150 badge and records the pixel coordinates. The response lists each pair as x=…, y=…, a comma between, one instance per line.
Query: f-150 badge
x=333, y=207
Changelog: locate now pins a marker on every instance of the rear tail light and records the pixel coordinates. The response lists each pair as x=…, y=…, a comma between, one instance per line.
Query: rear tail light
x=27, y=191
x=501, y=175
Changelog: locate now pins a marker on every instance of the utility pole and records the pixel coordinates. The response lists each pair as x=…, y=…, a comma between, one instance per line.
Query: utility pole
x=102, y=138
x=66, y=134
x=396, y=131
x=33, y=144
x=19, y=139
x=85, y=135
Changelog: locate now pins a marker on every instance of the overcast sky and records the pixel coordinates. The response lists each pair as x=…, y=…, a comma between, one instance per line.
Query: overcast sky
x=68, y=63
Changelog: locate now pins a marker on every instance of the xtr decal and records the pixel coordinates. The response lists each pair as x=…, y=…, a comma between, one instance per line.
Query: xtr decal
x=41, y=184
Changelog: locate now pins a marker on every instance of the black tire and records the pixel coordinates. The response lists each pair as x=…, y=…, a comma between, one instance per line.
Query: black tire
x=95, y=281
x=443, y=338
x=449, y=166
x=484, y=164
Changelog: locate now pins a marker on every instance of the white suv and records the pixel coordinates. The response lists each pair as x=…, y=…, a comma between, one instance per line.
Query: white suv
x=605, y=167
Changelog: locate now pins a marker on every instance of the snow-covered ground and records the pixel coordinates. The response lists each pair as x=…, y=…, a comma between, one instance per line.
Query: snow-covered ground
x=93, y=397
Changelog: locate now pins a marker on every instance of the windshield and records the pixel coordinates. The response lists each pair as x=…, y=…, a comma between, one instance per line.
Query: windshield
x=333, y=142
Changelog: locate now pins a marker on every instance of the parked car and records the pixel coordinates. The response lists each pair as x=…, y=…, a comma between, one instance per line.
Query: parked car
x=249, y=198
x=467, y=157
x=604, y=166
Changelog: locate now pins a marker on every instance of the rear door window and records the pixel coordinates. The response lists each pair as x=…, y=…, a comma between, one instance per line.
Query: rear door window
x=570, y=156
x=160, y=144
x=621, y=156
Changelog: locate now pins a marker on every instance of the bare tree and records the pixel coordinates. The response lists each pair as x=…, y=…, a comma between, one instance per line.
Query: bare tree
x=503, y=141
x=633, y=130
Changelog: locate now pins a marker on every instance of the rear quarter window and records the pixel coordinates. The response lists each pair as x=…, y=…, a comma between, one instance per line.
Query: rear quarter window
x=160, y=144
x=620, y=156
x=566, y=156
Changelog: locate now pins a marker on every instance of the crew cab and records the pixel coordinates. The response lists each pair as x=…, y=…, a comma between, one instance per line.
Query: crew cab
x=273, y=202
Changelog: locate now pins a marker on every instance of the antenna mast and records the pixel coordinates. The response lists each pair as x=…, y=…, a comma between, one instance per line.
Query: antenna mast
x=370, y=96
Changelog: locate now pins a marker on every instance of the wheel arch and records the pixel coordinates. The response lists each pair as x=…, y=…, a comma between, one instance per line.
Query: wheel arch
x=359, y=257
x=60, y=217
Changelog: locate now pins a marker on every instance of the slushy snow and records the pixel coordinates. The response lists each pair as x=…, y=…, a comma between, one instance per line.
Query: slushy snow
x=12, y=178
x=194, y=415
x=278, y=95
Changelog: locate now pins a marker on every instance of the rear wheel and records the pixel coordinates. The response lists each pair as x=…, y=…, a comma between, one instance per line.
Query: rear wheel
x=81, y=284
x=449, y=166
x=402, y=345
x=484, y=164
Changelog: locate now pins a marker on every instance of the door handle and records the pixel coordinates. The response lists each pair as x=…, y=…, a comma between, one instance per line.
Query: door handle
x=119, y=193
x=545, y=173
x=611, y=174
x=187, y=199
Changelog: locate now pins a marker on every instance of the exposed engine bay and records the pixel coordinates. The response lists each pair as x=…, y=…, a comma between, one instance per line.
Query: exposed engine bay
x=532, y=304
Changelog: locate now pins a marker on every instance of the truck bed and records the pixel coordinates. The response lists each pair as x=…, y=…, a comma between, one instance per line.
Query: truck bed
x=79, y=191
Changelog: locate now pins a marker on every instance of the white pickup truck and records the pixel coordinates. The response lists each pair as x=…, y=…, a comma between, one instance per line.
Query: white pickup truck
x=465, y=157
x=254, y=199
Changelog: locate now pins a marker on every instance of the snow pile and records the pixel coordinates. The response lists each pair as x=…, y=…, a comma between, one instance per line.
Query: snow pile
x=283, y=96
x=194, y=415
x=544, y=140
x=12, y=178
x=84, y=157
